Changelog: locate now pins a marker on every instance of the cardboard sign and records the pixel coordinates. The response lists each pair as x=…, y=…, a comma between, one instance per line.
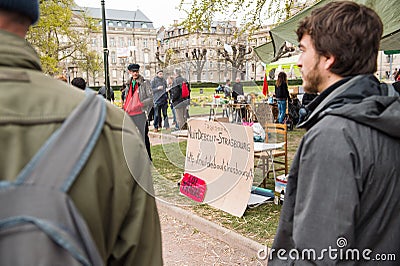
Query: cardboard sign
x=222, y=154
x=193, y=187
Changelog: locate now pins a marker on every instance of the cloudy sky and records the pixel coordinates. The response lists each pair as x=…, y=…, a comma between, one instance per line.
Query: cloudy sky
x=161, y=12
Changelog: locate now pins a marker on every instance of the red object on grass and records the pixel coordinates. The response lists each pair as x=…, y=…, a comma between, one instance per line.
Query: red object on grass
x=193, y=187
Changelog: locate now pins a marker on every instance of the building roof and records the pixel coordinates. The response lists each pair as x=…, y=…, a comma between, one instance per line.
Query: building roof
x=119, y=15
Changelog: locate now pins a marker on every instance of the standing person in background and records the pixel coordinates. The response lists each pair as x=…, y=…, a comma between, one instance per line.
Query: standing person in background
x=227, y=89
x=170, y=81
x=160, y=98
x=122, y=89
x=180, y=99
x=343, y=192
x=102, y=92
x=282, y=95
x=121, y=216
x=395, y=74
x=79, y=83
x=237, y=89
x=138, y=102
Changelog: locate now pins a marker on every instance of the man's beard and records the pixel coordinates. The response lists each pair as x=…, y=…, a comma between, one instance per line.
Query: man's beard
x=313, y=79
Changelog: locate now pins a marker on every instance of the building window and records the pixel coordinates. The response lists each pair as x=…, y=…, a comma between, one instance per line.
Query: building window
x=112, y=42
x=144, y=26
x=145, y=43
x=113, y=58
x=110, y=24
x=129, y=42
x=121, y=42
x=114, y=73
x=119, y=24
x=94, y=42
x=146, y=57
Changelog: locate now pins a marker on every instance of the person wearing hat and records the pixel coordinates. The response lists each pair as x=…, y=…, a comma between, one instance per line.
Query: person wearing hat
x=138, y=102
x=160, y=96
x=120, y=215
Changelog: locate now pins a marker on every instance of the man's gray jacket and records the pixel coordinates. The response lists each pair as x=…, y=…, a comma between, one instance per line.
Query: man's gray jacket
x=343, y=189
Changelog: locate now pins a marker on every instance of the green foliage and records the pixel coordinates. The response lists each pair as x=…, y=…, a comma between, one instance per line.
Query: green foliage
x=91, y=63
x=253, y=13
x=59, y=34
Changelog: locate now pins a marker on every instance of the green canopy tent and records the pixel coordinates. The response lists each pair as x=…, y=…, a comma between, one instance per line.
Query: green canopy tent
x=388, y=10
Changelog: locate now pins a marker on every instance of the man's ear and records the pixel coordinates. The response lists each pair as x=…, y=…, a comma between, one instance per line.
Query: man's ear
x=329, y=60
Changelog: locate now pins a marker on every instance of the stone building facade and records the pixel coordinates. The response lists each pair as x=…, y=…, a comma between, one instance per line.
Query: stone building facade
x=131, y=38
x=200, y=55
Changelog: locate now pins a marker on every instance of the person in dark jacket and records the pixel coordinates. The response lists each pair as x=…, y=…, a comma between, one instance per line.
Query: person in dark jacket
x=237, y=89
x=343, y=192
x=102, y=92
x=282, y=95
x=180, y=103
x=160, y=98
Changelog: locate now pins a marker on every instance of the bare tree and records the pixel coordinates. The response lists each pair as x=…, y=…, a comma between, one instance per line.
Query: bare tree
x=197, y=59
x=167, y=60
x=237, y=58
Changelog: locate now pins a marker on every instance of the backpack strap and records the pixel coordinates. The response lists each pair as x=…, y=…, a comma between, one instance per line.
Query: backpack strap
x=62, y=157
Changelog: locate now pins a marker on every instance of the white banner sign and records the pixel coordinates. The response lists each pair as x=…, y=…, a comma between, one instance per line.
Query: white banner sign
x=221, y=156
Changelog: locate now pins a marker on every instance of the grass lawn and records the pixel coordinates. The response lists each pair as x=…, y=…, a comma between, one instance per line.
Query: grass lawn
x=259, y=223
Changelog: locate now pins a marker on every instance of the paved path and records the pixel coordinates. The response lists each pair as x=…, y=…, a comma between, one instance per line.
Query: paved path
x=183, y=244
x=190, y=240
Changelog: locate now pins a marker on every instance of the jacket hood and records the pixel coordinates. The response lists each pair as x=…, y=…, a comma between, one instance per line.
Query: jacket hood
x=17, y=52
x=379, y=112
x=365, y=100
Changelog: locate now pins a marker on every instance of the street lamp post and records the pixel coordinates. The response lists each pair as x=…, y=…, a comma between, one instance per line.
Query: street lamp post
x=105, y=49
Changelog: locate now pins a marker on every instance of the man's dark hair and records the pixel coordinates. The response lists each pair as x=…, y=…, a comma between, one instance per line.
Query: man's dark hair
x=348, y=31
x=79, y=82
